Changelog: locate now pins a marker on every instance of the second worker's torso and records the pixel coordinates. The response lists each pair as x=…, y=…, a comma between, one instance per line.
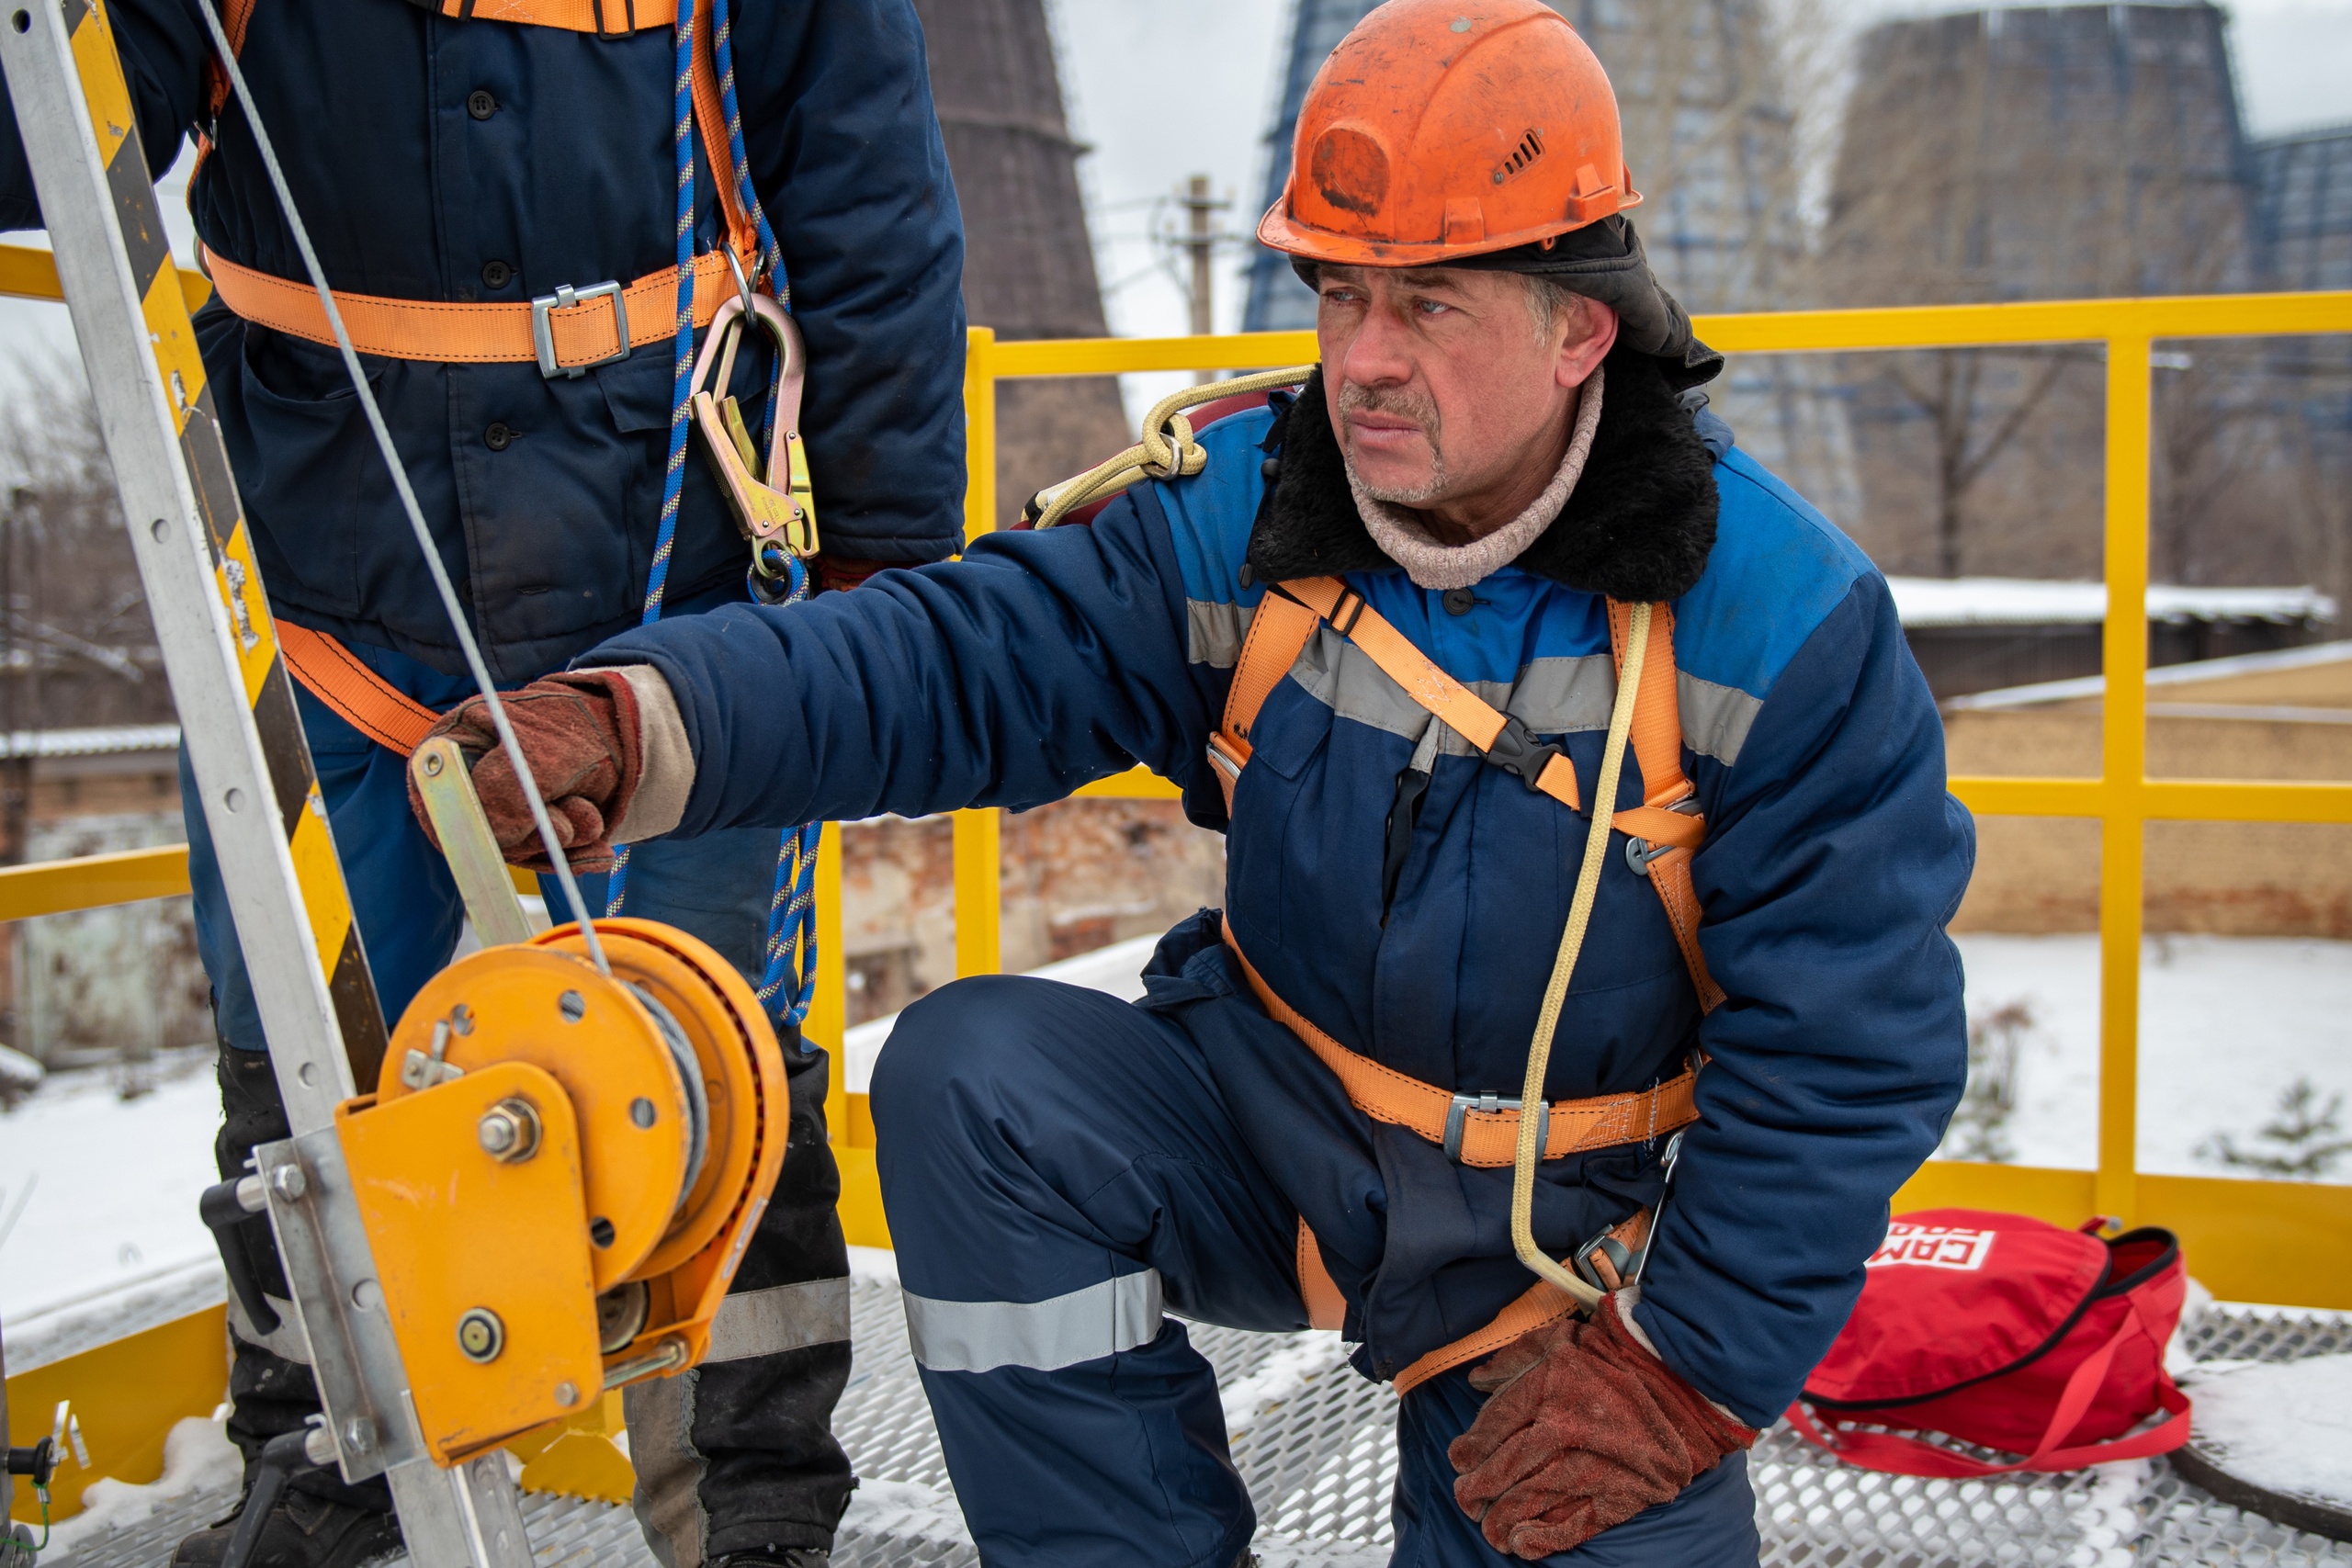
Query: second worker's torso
x=479, y=162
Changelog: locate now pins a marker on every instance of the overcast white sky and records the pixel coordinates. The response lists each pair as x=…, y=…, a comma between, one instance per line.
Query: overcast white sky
x=1160, y=98
x=1161, y=94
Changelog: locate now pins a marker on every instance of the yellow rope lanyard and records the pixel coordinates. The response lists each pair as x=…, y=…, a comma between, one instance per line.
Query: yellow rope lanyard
x=1539, y=1053
x=1165, y=451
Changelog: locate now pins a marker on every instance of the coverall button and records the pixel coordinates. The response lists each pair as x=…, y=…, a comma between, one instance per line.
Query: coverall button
x=480, y=104
x=498, y=437
x=496, y=274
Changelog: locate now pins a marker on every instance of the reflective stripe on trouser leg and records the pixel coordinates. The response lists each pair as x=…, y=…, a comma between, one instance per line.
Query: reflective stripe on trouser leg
x=1084, y=1325
x=1058, y=1165
x=781, y=1317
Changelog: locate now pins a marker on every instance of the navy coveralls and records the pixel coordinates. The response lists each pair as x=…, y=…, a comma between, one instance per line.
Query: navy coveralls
x=475, y=160
x=1061, y=1168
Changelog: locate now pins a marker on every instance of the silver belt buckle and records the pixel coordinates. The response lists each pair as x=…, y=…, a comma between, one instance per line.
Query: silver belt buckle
x=564, y=298
x=1457, y=1113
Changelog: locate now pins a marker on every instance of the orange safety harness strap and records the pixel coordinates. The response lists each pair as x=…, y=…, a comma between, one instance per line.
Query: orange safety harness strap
x=1287, y=615
x=578, y=335
x=1662, y=836
x=569, y=15
x=1472, y=1132
x=370, y=704
x=566, y=331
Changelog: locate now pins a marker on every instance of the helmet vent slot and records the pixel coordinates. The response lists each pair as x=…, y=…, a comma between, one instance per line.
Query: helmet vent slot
x=1529, y=148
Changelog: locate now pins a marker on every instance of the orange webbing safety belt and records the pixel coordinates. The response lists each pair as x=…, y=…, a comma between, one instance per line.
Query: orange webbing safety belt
x=372, y=706
x=1472, y=1134
x=1665, y=823
x=1664, y=836
x=566, y=331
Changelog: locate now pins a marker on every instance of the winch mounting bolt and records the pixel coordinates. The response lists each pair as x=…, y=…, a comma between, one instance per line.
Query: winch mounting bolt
x=509, y=1130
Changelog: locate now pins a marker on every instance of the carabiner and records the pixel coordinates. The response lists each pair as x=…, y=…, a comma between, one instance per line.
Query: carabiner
x=763, y=513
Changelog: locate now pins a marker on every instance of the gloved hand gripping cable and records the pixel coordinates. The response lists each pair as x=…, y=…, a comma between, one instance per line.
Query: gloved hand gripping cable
x=227, y=55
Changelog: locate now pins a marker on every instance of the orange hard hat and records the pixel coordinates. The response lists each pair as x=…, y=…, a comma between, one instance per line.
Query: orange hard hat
x=1441, y=129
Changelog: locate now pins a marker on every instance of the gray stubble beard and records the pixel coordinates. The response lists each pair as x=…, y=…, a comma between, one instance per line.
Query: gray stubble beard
x=1414, y=406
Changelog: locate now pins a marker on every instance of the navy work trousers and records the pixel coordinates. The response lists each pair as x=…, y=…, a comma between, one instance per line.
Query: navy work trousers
x=1058, y=1167
x=737, y=1454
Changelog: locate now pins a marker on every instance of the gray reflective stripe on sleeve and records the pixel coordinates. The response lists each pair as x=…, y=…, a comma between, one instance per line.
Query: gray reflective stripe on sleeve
x=1213, y=633
x=1557, y=695
x=779, y=1318
x=1715, y=720
x=1084, y=1325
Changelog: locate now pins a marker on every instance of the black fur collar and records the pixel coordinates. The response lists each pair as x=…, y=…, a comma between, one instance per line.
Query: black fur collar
x=1638, y=526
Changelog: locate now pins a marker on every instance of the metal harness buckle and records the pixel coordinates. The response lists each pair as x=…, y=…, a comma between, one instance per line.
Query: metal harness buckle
x=564, y=298
x=1639, y=853
x=1458, y=1113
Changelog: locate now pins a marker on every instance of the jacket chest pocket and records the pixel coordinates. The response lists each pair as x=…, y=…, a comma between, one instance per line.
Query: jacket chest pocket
x=1264, y=866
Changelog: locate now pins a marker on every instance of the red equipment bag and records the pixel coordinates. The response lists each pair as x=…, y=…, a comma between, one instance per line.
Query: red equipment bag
x=2008, y=1332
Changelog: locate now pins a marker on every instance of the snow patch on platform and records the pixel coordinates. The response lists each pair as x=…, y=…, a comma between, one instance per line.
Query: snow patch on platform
x=197, y=1458
x=2285, y=1426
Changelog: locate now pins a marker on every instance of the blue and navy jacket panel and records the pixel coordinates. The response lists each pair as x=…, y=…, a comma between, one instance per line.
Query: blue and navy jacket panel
x=483, y=162
x=1833, y=859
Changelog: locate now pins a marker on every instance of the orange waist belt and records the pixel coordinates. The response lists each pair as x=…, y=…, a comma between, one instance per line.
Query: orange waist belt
x=1479, y=1130
x=568, y=331
x=1483, y=1129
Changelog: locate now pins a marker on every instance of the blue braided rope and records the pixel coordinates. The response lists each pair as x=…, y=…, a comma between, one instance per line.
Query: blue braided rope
x=788, y=983
x=674, y=474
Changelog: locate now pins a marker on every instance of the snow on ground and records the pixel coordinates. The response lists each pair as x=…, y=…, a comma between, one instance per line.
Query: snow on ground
x=2284, y=1426
x=108, y=1186
x=198, y=1457
x=2226, y=1025
x=1117, y=969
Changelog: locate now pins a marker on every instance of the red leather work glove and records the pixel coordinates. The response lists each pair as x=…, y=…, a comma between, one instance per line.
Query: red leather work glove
x=1583, y=1429
x=836, y=572
x=581, y=732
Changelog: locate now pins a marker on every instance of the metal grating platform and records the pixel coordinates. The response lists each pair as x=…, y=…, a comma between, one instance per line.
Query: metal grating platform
x=1312, y=1440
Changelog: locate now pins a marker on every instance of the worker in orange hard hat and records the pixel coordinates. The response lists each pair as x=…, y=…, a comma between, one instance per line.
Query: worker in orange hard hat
x=1581, y=997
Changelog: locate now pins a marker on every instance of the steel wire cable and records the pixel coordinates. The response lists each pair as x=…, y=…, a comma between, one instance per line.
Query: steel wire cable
x=578, y=905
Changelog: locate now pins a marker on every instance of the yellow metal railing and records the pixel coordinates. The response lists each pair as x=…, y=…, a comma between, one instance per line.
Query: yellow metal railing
x=2265, y=1241
x=2257, y=1240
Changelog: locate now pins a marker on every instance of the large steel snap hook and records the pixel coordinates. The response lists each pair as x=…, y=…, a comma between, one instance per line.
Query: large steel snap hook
x=770, y=497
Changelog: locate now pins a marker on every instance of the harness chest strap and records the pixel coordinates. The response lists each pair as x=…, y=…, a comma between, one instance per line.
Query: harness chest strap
x=1289, y=613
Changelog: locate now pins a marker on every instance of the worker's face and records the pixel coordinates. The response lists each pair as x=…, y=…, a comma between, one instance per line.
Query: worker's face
x=1446, y=391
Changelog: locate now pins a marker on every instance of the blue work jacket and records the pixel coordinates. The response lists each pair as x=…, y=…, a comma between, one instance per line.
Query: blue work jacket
x=477, y=161
x=1833, y=856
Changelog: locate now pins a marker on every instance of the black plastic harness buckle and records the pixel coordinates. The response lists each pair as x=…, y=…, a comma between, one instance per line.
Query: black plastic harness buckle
x=1517, y=751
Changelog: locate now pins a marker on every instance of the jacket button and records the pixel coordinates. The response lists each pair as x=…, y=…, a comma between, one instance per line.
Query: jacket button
x=496, y=274
x=480, y=104
x=1459, y=601
x=498, y=437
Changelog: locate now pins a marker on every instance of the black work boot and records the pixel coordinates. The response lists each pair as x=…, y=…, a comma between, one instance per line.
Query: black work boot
x=777, y=1557
x=303, y=1531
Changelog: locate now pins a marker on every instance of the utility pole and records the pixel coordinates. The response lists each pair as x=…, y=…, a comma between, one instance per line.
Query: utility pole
x=1200, y=242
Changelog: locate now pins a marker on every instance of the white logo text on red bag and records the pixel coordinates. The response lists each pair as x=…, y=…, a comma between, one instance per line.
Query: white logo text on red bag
x=1932, y=1246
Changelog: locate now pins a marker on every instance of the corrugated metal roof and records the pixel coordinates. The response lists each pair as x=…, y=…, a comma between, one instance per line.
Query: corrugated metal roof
x=37, y=743
x=2017, y=602
x=2169, y=675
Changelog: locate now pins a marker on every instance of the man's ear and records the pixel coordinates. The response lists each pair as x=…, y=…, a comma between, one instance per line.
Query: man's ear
x=1582, y=354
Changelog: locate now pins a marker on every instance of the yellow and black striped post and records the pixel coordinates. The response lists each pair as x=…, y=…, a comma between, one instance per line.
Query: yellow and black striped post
x=235, y=697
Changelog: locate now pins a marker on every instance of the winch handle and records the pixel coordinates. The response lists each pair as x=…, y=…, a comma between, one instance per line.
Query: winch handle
x=225, y=1208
